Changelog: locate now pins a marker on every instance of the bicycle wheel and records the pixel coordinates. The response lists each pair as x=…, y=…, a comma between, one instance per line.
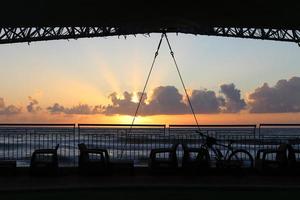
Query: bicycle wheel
x=240, y=158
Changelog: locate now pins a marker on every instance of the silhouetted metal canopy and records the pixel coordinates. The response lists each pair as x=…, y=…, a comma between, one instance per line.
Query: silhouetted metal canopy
x=275, y=20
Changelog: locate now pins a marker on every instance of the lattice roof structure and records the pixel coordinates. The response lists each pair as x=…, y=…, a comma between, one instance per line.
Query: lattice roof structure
x=37, y=20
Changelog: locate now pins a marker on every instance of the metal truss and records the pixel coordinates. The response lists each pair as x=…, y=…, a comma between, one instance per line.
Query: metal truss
x=30, y=34
x=259, y=33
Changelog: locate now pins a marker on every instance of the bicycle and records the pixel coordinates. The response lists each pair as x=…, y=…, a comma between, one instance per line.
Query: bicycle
x=233, y=158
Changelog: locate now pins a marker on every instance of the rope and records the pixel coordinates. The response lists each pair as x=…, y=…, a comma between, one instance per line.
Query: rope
x=147, y=80
x=181, y=79
x=144, y=89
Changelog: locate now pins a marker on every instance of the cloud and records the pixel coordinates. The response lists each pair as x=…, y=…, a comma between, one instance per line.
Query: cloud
x=8, y=110
x=233, y=102
x=206, y=101
x=122, y=106
x=80, y=109
x=56, y=109
x=33, y=107
x=166, y=100
x=282, y=98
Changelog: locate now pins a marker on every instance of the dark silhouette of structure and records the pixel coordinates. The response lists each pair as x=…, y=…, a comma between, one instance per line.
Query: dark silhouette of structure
x=93, y=161
x=158, y=160
x=197, y=162
x=37, y=20
x=44, y=161
x=231, y=158
x=285, y=160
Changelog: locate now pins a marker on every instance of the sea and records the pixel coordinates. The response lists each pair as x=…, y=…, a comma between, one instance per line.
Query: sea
x=18, y=143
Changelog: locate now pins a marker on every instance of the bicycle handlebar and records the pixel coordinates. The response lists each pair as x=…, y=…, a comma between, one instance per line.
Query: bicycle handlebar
x=197, y=131
x=213, y=141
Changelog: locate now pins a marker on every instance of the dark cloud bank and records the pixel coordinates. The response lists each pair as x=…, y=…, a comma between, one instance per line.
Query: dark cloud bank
x=8, y=110
x=33, y=105
x=233, y=102
x=165, y=100
x=82, y=109
x=283, y=97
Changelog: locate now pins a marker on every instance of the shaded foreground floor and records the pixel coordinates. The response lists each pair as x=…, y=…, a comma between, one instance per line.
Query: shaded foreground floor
x=152, y=193
x=143, y=186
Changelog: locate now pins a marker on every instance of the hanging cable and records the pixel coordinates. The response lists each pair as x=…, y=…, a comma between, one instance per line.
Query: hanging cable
x=144, y=89
x=177, y=68
x=147, y=80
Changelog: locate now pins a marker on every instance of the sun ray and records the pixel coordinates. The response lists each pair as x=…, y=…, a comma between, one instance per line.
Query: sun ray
x=110, y=79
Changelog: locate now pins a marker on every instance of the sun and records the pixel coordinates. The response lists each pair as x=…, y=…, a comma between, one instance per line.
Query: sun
x=135, y=98
x=127, y=119
x=124, y=119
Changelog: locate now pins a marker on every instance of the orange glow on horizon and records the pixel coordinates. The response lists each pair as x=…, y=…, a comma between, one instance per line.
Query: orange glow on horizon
x=241, y=118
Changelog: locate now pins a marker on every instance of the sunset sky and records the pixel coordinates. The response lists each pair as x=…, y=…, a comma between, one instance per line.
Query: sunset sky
x=230, y=81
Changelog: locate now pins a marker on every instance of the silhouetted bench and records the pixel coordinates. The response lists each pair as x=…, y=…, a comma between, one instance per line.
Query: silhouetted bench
x=293, y=154
x=44, y=161
x=160, y=161
x=279, y=164
x=93, y=161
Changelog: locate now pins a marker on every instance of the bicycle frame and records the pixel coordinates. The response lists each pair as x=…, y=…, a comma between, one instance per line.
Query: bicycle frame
x=231, y=155
x=218, y=153
x=210, y=144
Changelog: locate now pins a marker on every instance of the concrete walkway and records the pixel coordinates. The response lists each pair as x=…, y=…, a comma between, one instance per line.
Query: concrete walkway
x=25, y=182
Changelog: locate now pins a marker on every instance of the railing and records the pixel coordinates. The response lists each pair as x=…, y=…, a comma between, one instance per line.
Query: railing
x=18, y=141
x=272, y=135
x=123, y=141
x=243, y=136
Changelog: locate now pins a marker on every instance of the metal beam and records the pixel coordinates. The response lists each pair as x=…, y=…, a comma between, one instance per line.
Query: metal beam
x=259, y=33
x=31, y=34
